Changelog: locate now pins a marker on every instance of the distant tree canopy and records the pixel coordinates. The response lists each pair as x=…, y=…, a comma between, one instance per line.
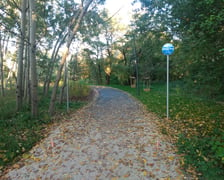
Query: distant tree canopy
x=100, y=50
x=197, y=31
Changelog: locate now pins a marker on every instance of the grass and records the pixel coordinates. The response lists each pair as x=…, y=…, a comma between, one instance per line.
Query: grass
x=196, y=125
x=7, y=106
x=19, y=132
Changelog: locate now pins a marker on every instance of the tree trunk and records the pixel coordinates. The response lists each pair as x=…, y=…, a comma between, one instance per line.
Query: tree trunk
x=99, y=72
x=11, y=75
x=27, y=95
x=71, y=35
x=108, y=79
x=64, y=85
x=51, y=66
x=54, y=92
x=33, y=70
x=19, y=82
x=1, y=69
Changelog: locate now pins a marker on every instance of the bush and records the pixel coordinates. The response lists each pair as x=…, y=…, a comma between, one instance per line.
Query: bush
x=79, y=89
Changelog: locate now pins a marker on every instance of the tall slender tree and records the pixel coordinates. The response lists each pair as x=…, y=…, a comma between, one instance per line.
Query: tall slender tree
x=33, y=70
x=75, y=23
x=20, y=57
x=1, y=68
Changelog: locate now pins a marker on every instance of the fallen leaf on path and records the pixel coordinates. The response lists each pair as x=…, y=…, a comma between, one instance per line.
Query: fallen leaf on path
x=150, y=164
x=114, y=178
x=171, y=158
x=126, y=175
x=16, y=166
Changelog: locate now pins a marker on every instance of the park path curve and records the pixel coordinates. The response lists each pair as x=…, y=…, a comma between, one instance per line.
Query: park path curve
x=112, y=138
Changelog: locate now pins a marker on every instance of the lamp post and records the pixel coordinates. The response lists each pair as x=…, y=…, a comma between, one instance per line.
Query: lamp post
x=167, y=50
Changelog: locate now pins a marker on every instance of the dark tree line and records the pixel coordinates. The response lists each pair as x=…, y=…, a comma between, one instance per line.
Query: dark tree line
x=197, y=31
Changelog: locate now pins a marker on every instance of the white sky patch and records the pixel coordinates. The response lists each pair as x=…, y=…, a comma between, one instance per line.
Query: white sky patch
x=121, y=9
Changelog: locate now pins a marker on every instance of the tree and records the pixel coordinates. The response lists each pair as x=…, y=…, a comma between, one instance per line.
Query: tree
x=198, y=28
x=102, y=51
x=20, y=57
x=32, y=49
x=72, y=30
x=49, y=73
x=1, y=67
x=58, y=19
x=94, y=39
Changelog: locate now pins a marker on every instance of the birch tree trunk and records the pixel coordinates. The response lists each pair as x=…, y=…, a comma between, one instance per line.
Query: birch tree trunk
x=19, y=82
x=62, y=95
x=27, y=96
x=71, y=35
x=1, y=68
x=26, y=67
x=33, y=70
x=52, y=63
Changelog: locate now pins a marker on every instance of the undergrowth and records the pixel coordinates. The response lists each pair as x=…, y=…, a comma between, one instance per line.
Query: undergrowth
x=19, y=132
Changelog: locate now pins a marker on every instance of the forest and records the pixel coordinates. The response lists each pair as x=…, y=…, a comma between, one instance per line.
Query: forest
x=48, y=49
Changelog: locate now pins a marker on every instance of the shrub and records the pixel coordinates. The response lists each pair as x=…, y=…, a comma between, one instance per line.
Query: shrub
x=79, y=89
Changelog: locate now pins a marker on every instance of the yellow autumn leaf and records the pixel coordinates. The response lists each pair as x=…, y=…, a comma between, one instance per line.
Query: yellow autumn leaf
x=145, y=173
x=182, y=161
x=35, y=158
x=114, y=178
x=26, y=156
x=171, y=158
x=144, y=160
x=16, y=166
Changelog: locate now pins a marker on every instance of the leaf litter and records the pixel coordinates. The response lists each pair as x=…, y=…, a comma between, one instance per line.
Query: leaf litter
x=114, y=137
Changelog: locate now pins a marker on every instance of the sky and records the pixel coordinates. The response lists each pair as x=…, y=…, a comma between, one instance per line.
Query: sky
x=121, y=8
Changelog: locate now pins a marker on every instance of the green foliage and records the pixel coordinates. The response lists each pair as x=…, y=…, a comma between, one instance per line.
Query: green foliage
x=18, y=134
x=204, y=153
x=120, y=74
x=79, y=89
x=198, y=26
x=7, y=103
x=196, y=124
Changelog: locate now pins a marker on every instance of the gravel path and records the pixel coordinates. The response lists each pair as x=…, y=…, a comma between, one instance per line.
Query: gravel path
x=113, y=138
